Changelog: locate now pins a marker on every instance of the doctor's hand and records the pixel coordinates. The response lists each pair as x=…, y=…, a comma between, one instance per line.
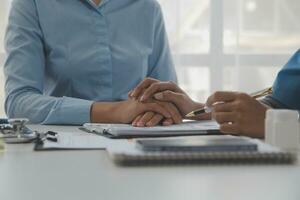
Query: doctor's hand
x=166, y=92
x=238, y=113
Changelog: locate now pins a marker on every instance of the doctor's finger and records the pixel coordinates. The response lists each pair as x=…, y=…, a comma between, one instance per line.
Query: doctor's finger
x=224, y=117
x=230, y=128
x=224, y=107
x=221, y=97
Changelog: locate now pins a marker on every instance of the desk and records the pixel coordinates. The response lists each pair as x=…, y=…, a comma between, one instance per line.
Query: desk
x=89, y=175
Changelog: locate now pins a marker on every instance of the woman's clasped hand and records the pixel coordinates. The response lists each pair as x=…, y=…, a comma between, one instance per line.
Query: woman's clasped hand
x=166, y=94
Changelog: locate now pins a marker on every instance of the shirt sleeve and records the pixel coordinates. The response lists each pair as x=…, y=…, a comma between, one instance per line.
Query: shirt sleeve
x=24, y=72
x=286, y=88
x=160, y=60
x=273, y=103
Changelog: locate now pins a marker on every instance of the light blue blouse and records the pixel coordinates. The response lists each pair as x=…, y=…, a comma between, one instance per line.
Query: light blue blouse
x=65, y=54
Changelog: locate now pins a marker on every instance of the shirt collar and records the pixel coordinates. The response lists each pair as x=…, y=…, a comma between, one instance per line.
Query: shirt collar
x=101, y=4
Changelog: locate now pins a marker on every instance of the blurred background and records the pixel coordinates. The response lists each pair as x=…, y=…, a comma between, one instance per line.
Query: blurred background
x=220, y=44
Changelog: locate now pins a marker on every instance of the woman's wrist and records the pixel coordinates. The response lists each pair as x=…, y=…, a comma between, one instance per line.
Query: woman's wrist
x=105, y=112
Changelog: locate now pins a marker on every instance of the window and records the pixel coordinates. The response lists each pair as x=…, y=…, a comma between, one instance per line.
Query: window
x=221, y=44
x=230, y=44
x=4, y=9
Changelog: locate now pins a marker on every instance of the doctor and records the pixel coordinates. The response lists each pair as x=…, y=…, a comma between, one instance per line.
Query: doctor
x=71, y=62
x=240, y=113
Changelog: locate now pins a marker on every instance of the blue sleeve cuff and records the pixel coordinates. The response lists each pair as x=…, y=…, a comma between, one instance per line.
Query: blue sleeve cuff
x=273, y=103
x=71, y=111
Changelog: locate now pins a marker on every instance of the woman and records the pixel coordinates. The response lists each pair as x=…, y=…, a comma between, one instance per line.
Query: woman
x=71, y=62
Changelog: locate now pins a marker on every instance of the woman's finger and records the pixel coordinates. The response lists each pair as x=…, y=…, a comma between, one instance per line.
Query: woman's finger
x=176, y=116
x=135, y=121
x=158, y=87
x=169, y=96
x=156, y=119
x=145, y=118
x=167, y=122
x=129, y=94
x=155, y=107
x=142, y=86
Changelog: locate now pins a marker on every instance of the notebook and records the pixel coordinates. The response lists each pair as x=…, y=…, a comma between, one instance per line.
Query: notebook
x=199, y=144
x=128, y=131
x=128, y=155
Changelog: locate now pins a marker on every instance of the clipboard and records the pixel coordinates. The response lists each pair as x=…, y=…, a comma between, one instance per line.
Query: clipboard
x=125, y=131
x=52, y=141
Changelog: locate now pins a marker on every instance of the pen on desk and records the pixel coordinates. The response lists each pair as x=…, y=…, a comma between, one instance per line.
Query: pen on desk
x=206, y=109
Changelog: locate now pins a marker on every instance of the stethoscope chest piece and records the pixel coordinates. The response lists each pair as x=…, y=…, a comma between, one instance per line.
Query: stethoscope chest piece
x=18, y=132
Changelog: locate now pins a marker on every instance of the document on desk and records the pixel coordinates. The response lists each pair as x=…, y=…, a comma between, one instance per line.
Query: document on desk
x=128, y=131
x=70, y=141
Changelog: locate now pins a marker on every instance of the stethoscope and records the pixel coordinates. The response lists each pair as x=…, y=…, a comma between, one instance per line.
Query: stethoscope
x=16, y=132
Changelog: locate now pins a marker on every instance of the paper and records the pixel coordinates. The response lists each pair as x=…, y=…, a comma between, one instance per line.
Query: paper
x=71, y=141
x=188, y=127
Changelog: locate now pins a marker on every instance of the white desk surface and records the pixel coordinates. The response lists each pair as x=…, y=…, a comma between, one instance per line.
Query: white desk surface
x=89, y=175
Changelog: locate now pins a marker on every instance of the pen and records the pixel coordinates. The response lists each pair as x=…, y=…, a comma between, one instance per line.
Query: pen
x=206, y=109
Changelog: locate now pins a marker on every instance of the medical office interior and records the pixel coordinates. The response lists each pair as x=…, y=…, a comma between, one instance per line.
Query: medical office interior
x=217, y=45
x=235, y=45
